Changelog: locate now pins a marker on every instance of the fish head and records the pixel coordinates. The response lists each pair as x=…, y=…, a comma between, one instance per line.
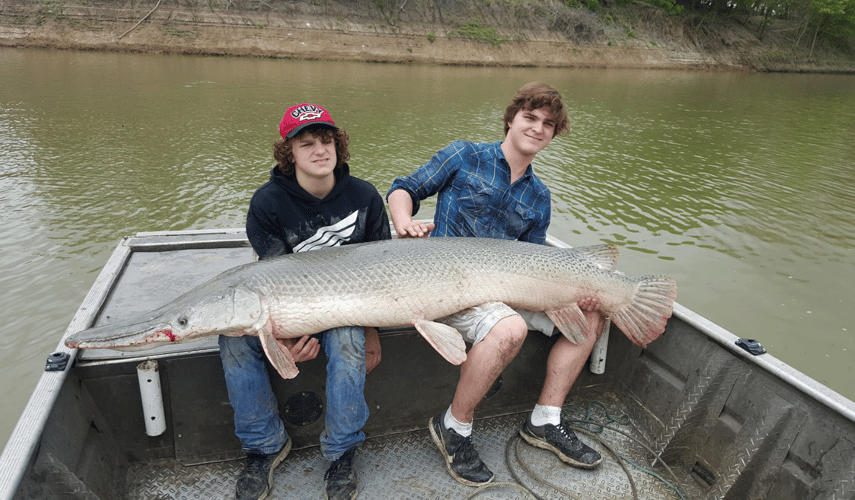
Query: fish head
x=195, y=315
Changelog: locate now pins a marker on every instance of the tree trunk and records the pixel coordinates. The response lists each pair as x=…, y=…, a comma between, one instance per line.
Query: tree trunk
x=764, y=24
x=815, y=33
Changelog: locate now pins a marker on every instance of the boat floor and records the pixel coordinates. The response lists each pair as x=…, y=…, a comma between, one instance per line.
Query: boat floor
x=408, y=465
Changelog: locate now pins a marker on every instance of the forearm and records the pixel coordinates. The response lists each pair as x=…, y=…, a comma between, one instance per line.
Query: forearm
x=401, y=209
x=373, y=351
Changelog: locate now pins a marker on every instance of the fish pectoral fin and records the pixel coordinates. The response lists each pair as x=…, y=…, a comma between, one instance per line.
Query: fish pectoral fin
x=571, y=322
x=445, y=339
x=279, y=355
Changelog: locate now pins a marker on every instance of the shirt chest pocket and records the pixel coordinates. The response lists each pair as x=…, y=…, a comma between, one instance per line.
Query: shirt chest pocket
x=475, y=197
x=519, y=220
x=492, y=212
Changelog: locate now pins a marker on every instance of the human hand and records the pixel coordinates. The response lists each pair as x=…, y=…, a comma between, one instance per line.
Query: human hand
x=414, y=229
x=589, y=304
x=372, y=349
x=304, y=349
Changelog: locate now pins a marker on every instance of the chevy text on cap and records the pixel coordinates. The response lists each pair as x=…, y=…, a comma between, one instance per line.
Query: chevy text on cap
x=308, y=112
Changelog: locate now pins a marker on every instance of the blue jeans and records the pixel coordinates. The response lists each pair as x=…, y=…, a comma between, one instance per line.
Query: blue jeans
x=257, y=422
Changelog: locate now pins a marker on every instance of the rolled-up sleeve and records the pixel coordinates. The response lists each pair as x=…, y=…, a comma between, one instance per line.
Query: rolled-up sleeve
x=428, y=179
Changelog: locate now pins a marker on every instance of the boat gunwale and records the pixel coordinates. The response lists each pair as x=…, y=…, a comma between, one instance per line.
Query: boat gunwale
x=802, y=382
x=25, y=437
x=23, y=442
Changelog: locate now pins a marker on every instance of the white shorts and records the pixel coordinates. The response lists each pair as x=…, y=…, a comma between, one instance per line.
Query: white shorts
x=476, y=322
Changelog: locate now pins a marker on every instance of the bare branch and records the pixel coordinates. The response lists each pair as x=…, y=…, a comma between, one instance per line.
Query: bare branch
x=141, y=20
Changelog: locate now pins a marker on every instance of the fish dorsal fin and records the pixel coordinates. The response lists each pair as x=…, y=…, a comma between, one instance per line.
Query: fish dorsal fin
x=604, y=256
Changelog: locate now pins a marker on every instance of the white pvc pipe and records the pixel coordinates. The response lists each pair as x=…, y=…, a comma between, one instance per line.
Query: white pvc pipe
x=601, y=348
x=152, y=398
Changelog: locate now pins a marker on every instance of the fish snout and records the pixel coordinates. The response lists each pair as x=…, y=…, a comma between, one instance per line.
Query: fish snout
x=122, y=337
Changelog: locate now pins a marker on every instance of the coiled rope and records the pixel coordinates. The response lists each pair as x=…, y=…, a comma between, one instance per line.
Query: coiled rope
x=591, y=427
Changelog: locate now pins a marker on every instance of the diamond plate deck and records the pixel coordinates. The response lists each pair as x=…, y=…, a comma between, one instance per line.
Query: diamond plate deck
x=408, y=466
x=731, y=426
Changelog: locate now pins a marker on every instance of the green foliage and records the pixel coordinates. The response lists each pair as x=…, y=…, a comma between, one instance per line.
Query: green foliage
x=50, y=9
x=835, y=18
x=431, y=37
x=669, y=6
x=178, y=33
x=477, y=32
x=831, y=20
x=592, y=5
x=829, y=8
x=778, y=56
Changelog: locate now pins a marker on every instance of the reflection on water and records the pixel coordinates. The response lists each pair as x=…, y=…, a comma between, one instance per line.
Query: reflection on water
x=738, y=185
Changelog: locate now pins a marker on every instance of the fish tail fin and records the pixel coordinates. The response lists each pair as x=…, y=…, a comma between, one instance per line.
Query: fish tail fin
x=643, y=320
x=279, y=356
x=604, y=256
x=445, y=339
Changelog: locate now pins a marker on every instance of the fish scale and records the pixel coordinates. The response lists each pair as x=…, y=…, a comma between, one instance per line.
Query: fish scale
x=399, y=282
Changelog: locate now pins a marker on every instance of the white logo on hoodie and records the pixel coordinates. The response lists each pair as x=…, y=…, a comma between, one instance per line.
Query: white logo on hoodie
x=330, y=236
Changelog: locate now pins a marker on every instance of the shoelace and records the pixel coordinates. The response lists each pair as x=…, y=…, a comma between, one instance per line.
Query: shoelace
x=465, y=451
x=340, y=467
x=573, y=440
x=254, y=465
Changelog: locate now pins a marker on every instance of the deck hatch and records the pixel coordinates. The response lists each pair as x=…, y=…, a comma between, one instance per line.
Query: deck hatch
x=303, y=408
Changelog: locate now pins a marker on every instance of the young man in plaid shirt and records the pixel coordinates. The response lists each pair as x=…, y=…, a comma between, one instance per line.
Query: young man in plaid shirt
x=490, y=190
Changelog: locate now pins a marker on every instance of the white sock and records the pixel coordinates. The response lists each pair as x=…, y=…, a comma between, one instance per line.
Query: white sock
x=542, y=415
x=450, y=422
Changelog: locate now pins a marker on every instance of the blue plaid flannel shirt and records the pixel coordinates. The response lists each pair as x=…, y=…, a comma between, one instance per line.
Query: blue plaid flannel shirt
x=475, y=196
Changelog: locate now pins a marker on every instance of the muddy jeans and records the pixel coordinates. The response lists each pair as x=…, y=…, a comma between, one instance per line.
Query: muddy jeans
x=257, y=421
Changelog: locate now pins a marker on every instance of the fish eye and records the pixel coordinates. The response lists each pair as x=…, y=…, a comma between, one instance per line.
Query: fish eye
x=182, y=321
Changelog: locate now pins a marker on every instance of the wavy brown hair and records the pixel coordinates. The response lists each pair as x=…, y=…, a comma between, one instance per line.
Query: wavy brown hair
x=282, y=149
x=537, y=95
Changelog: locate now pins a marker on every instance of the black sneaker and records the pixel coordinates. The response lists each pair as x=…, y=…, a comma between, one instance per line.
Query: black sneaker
x=461, y=458
x=256, y=479
x=563, y=442
x=340, y=479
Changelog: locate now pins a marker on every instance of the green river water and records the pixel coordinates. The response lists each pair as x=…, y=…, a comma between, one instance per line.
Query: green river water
x=741, y=186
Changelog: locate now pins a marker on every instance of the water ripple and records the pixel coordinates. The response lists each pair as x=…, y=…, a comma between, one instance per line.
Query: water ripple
x=740, y=186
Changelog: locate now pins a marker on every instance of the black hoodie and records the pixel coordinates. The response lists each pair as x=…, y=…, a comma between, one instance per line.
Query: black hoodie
x=284, y=218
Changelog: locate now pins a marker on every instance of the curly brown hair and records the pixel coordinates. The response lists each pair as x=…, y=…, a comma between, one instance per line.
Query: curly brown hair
x=536, y=95
x=282, y=149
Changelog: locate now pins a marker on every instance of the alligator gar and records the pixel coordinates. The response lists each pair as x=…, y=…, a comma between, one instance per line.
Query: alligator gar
x=393, y=283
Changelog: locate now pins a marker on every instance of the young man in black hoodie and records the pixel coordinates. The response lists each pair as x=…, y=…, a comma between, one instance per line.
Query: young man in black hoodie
x=310, y=202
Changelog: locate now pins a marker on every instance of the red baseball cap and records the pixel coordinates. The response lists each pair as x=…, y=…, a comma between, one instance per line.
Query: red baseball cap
x=301, y=116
